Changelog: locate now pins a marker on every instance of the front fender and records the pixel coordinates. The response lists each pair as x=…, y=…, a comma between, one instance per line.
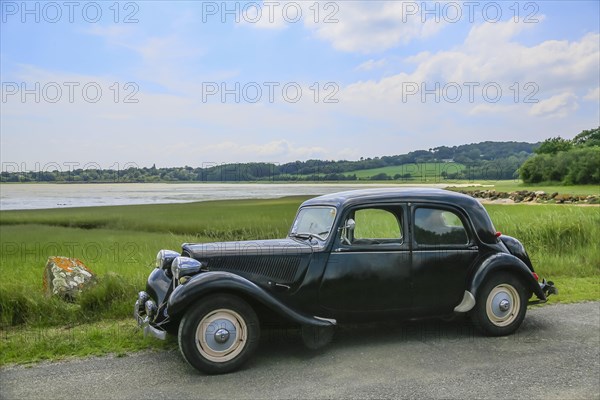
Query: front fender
x=505, y=262
x=216, y=281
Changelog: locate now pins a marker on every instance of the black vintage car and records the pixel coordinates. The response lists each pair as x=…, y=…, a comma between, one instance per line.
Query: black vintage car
x=351, y=256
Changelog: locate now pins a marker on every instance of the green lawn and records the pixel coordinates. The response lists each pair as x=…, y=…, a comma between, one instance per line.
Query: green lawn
x=416, y=171
x=120, y=244
x=411, y=171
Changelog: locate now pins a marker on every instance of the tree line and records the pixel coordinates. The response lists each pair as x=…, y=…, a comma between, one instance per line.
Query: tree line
x=485, y=160
x=569, y=162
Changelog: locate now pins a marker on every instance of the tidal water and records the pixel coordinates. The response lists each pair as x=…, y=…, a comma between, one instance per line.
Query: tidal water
x=38, y=196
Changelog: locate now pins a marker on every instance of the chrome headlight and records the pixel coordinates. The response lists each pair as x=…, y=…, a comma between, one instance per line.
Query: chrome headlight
x=185, y=266
x=143, y=297
x=164, y=258
x=151, y=308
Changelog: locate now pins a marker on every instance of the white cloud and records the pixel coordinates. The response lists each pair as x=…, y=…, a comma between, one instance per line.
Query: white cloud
x=161, y=58
x=274, y=150
x=269, y=16
x=593, y=95
x=551, y=64
x=373, y=26
x=551, y=77
x=152, y=48
x=373, y=116
x=161, y=128
x=493, y=109
x=556, y=106
x=540, y=71
x=372, y=64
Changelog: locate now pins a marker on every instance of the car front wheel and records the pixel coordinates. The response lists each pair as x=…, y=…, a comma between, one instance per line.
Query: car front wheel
x=219, y=334
x=501, y=305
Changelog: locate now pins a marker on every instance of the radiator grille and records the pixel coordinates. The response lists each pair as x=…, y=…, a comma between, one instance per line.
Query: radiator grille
x=281, y=269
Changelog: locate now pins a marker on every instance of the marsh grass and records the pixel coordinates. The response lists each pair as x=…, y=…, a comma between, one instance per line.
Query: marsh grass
x=561, y=240
x=120, y=243
x=233, y=219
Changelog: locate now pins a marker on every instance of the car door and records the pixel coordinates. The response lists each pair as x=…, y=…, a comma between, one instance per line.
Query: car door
x=369, y=265
x=443, y=249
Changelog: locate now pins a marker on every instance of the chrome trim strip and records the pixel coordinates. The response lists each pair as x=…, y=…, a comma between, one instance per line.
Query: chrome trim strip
x=339, y=251
x=330, y=320
x=444, y=250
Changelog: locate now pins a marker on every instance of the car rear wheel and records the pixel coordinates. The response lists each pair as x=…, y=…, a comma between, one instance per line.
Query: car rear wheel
x=218, y=334
x=501, y=305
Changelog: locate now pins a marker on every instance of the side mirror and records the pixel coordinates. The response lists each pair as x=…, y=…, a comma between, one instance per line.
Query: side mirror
x=347, y=231
x=350, y=224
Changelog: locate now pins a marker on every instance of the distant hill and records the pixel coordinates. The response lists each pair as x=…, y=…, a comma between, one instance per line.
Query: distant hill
x=485, y=160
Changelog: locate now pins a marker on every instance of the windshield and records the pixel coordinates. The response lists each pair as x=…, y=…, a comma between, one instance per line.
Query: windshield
x=314, y=221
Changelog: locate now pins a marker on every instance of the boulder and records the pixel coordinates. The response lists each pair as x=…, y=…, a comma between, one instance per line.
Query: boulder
x=67, y=277
x=562, y=198
x=526, y=196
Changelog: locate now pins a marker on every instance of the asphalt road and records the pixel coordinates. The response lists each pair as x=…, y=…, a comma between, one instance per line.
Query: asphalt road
x=555, y=354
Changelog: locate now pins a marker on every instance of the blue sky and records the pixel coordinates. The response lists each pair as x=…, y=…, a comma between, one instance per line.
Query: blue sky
x=197, y=83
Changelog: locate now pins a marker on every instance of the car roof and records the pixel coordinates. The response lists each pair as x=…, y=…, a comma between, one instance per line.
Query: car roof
x=392, y=194
x=475, y=211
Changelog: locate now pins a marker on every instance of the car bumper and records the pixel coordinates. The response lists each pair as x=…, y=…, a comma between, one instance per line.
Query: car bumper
x=548, y=289
x=143, y=320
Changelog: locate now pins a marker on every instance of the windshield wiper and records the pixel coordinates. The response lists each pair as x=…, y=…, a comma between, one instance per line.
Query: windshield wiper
x=300, y=235
x=309, y=235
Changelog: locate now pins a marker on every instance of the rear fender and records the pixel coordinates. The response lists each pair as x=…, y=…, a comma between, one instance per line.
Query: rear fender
x=505, y=262
x=206, y=283
x=517, y=249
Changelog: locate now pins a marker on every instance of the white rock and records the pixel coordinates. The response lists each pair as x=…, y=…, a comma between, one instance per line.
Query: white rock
x=67, y=277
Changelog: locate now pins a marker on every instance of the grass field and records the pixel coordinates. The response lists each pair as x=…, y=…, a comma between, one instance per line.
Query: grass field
x=415, y=170
x=120, y=244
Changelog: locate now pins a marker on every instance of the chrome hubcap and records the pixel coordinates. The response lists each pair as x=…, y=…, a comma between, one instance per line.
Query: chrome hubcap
x=222, y=335
x=503, y=305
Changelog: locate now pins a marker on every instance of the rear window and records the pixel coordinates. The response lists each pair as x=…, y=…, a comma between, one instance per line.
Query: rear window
x=439, y=227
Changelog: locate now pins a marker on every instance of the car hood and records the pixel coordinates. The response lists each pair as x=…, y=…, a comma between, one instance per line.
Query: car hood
x=262, y=261
x=273, y=247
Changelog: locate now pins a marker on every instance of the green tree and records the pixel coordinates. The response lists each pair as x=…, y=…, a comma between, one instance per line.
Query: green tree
x=382, y=176
x=588, y=138
x=584, y=166
x=554, y=145
x=575, y=167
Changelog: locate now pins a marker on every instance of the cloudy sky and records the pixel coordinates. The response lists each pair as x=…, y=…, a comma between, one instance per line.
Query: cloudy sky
x=198, y=83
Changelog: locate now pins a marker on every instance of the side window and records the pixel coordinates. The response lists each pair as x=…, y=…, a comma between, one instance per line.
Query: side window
x=439, y=227
x=374, y=226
